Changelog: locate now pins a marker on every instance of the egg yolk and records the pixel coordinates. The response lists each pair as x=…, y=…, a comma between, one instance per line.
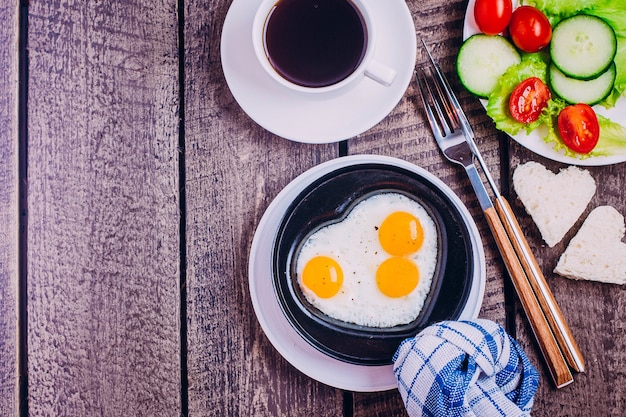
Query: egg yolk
x=397, y=277
x=323, y=276
x=401, y=234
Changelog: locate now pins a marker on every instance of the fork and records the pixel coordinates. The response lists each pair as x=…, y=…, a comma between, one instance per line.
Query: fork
x=454, y=136
x=545, y=297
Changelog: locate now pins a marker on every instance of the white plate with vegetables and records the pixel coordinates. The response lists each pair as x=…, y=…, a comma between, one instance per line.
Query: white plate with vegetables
x=535, y=96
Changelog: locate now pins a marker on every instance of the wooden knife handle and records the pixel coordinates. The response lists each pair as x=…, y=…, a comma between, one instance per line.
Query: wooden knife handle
x=555, y=361
x=546, y=299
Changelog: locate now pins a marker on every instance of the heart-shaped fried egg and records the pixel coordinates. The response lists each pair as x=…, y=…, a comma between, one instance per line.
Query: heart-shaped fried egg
x=375, y=267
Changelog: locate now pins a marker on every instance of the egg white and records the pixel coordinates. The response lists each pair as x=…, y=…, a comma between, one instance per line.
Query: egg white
x=354, y=244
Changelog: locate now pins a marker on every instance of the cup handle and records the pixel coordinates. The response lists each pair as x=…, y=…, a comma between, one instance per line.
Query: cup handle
x=380, y=73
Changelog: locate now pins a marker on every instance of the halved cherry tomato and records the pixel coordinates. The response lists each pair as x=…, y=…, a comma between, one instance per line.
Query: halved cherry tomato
x=579, y=128
x=528, y=100
x=492, y=16
x=530, y=29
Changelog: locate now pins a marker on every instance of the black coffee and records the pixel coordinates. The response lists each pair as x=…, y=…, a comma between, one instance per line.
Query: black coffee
x=315, y=43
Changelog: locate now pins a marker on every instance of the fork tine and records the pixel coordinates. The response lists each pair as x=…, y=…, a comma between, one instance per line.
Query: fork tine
x=444, y=96
x=453, y=107
x=440, y=101
x=432, y=101
x=426, y=100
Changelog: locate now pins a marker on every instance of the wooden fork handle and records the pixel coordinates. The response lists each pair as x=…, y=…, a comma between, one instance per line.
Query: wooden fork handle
x=546, y=299
x=555, y=361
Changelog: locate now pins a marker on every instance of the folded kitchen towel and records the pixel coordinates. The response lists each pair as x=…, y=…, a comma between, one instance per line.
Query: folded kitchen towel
x=465, y=368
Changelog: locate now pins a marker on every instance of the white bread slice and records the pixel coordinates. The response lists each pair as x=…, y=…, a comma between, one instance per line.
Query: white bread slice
x=554, y=201
x=596, y=252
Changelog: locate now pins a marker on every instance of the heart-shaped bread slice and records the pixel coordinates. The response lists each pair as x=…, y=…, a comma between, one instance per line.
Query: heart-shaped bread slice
x=597, y=252
x=554, y=201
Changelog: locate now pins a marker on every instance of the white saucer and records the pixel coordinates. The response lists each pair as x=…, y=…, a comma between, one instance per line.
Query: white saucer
x=295, y=349
x=324, y=117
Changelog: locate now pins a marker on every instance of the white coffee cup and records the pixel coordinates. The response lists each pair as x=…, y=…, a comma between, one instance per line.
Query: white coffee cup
x=368, y=66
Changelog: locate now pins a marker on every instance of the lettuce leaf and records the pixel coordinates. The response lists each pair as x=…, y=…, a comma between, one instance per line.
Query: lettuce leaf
x=557, y=10
x=612, y=138
x=616, y=17
x=532, y=65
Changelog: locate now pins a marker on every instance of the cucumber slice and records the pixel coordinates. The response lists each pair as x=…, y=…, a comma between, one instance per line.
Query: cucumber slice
x=583, y=46
x=582, y=91
x=482, y=59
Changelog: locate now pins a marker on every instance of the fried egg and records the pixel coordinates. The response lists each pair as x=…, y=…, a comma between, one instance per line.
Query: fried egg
x=375, y=267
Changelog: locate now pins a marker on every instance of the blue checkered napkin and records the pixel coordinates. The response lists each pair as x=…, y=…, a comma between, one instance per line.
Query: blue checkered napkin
x=465, y=368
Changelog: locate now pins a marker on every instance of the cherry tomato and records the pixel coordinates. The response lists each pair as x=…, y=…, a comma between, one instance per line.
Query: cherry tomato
x=579, y=128
x=530, y=29
x=528, y=100
x=492, y=16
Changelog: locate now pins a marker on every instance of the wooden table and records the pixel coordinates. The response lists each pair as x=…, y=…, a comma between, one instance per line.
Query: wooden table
x=131, y=186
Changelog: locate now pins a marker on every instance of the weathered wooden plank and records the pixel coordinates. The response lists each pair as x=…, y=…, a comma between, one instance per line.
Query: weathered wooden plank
x=103, y=203
x=234, y=168
x=596, y=312
x=405, y=134
x=9, y=270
